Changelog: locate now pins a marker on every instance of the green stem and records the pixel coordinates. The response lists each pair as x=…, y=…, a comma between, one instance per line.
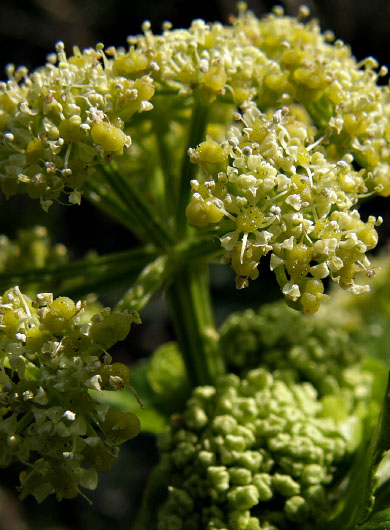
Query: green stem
x=113, y=207
x=170, y=180
x=98, y=285
x=134, y=259
x=197, y=248
x=139, y=210
x=189, y=300
x=154, y=495
x=195, y=136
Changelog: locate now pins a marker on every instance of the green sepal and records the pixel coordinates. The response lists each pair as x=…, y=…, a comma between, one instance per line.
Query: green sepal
x=152, y=420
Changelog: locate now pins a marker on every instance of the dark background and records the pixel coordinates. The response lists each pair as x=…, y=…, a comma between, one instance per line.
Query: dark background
x=28, y=32
x=29, y=28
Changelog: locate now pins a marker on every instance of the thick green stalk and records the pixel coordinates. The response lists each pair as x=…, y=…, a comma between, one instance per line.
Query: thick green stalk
x=199, y=247
x=154, y=496
x=190, y=305
x=195, y=136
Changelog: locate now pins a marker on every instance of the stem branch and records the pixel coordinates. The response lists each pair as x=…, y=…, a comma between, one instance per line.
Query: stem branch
x=196, y=134
x=189, y=300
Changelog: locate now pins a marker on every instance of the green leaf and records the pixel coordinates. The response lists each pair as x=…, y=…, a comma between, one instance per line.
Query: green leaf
x=148, y=282
x=378, y=521
x=151, y=419
x=364, y=480
x=168, y=379
x=376, y=336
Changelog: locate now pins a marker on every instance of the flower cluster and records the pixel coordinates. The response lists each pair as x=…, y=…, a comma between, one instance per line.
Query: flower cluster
x=58, y=122
x=276, y=61
x=249, y=454
x=312, y=350
x=340, y=93
x=208, y=60
x=50, y=423
x=31, y=249
x=282, y=193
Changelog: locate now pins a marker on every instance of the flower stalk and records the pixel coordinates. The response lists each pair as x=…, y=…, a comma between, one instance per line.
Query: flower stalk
x=200, y=112
x=189, y=301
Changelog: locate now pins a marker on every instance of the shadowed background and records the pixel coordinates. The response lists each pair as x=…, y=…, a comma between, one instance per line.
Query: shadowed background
x=28, y=32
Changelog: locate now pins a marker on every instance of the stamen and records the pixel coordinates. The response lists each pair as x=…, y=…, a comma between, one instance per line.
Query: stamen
x=243, y=245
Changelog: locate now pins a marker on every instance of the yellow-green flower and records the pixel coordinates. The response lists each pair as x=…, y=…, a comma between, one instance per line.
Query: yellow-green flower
x=280, y=193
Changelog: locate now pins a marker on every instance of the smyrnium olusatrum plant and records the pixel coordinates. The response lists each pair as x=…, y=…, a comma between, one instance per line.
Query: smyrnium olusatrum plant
x=216, y=143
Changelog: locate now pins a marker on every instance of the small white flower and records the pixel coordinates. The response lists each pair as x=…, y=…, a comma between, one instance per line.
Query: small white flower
x=295, y=201
x=69, y=415
x=291, y=290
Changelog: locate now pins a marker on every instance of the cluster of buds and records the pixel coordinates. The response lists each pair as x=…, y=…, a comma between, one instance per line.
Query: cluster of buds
x=316, y=350
x=50, y=422
x=209, y=60
x=249, y=454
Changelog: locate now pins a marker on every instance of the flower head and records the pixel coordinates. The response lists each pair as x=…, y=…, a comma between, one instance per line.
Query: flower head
x=61, y=120
x=282, y=194
x=49, y=363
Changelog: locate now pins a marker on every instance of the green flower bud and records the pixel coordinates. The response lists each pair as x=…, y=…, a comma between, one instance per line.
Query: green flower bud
x=263, y=483
x=219, y=477
x=296, y=508
x=272, y=456
x=243, y=497
x=317, y=350
x=240, y=476
x=285, y=485
x=109, y=137
x=59, y=315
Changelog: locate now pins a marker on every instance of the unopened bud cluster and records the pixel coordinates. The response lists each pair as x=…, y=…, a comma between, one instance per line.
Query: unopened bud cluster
x=49, y=362
x=297, y=349
x=249, y=454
